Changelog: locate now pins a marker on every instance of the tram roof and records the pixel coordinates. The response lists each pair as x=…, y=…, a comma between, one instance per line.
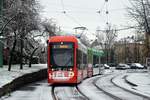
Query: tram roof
x=63, y=38
x=69, y=38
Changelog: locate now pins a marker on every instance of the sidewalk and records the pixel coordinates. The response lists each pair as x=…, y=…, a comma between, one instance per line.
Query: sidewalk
x=141, y=82
x=10, y=79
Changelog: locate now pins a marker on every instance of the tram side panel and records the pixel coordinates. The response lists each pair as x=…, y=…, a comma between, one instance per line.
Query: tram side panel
x=79, y=66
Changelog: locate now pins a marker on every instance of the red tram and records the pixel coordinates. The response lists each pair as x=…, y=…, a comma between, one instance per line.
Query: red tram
x=67, y=60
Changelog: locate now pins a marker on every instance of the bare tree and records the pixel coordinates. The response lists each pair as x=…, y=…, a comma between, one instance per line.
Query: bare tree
x=31, y=47
x=107, y=40
x=24, y=18
x=111, y=35
x=140, y=11
x=49, y=27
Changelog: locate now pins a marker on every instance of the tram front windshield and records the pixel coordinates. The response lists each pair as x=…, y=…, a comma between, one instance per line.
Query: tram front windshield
x=61, y=55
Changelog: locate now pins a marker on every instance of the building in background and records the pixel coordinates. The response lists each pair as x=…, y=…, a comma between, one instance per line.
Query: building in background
x=129, y=52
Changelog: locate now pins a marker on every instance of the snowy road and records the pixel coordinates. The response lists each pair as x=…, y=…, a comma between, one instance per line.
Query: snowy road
x=67, y=93
x=91, y=91
x=102, y=87
x=121, y=81
x=35, y=91
x=106, y=84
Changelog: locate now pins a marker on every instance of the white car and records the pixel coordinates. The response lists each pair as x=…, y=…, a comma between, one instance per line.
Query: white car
x=96, y=65
x=106, y=66
x=137, y=66
x=122, y=66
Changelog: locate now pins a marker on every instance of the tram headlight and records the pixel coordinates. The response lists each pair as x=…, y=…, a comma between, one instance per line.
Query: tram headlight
x=71, y=74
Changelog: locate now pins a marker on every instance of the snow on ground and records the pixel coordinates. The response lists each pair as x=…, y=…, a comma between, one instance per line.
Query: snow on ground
x=96, y=71
x=142, y=80
x=89, y=89
x=106, y=84
x=34, y=91
x=7, y=76
x=68, y=93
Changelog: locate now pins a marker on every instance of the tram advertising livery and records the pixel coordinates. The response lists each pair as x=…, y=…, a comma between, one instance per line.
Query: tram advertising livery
x=67, y=60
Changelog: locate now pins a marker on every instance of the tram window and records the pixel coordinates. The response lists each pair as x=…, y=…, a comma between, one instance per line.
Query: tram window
x=62, y=55
x=84, y=58
x=79, y=58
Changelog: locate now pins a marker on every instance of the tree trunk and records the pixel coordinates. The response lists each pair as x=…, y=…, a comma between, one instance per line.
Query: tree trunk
x=31, y=56
x=21, y=53
x=147, y=45
x=11, y=53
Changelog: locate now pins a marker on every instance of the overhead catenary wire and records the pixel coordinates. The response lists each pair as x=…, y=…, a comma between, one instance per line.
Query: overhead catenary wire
x=85, y=11
x=66, y=14
x=101, y=9
x=74, y=19
x=82, y=9
x=120, y=29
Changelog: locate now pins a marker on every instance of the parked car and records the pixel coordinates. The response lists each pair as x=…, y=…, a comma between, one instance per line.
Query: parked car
x=137, y=66
x=97, y=65
x=122, y=66
x=106, y=66
x=129, y=64
x=112, y=64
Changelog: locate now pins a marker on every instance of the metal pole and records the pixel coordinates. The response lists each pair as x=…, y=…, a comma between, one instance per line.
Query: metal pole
x=1, y=45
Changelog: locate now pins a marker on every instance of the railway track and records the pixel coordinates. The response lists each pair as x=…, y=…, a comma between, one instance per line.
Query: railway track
x=106, y=85
x=53, y=93
x=67, y=93
x=107, y=93
x=90, y=91
x=85, y=97
x=128, y=86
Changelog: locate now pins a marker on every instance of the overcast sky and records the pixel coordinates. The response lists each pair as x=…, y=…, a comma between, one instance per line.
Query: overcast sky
x=84, y=13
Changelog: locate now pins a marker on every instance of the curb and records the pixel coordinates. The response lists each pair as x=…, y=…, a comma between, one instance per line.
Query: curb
x=129, y=82
x=23, y=80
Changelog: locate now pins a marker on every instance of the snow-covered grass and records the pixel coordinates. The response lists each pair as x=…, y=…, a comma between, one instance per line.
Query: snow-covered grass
x=142, y=80
x=8, y=76
x=139, y=79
